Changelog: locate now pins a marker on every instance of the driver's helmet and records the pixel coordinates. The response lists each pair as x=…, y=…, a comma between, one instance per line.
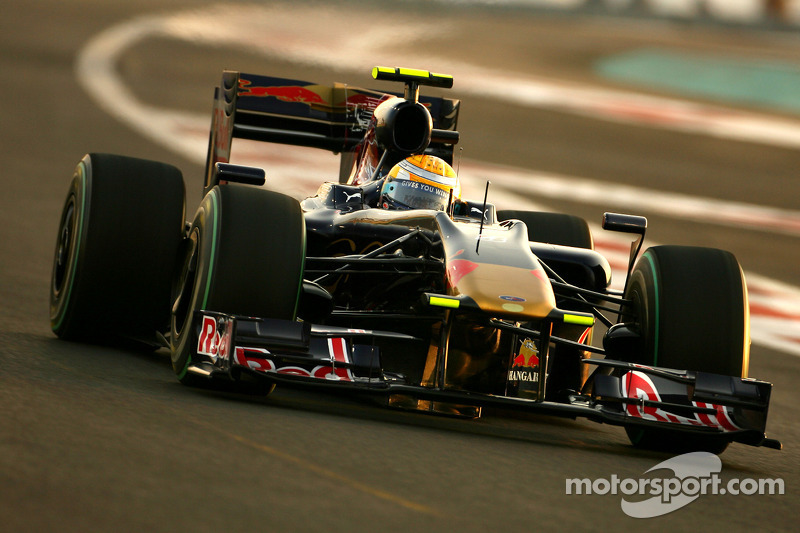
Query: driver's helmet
x=420, y=182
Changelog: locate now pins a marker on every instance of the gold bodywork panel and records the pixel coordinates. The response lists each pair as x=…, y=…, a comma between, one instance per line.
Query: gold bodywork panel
x=495, y=267
x=510, y=292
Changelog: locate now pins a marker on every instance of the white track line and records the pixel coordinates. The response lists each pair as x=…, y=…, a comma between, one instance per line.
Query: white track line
x=775, y=307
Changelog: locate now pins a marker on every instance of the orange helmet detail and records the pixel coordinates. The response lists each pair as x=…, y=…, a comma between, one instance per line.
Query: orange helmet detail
x=420, y=182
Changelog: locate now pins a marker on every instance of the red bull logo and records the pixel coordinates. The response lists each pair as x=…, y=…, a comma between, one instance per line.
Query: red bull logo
x=291, y=93
x=528, y=355
x=523, y=374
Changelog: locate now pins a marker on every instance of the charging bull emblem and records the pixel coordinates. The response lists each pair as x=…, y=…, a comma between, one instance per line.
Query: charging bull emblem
x=294, y=93
x=528, y=355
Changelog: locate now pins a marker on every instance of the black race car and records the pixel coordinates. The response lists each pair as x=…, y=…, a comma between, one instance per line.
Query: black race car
x=441, y=309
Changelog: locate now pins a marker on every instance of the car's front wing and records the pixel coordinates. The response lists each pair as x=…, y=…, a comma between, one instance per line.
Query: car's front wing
x=624, y=394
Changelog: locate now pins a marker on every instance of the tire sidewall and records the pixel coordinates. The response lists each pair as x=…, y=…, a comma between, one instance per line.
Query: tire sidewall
x=643, y=311
x=62, y=300
x=202, y=244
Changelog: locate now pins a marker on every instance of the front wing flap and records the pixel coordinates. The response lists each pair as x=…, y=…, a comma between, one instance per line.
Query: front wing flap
x=643, y=396
x=626, y=394
x=227, y=345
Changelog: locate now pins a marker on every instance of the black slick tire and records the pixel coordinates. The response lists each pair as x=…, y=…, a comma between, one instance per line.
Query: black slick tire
x=244, y=256
x=553, y=228
x=118, y=238
x=690, y=305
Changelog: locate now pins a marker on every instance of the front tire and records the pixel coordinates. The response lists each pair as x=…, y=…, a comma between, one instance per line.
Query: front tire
x=244, y=256
x=690, y=305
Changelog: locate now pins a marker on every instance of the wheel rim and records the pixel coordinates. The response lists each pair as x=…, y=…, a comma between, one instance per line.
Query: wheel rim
x=181, y=310
x=64, y=250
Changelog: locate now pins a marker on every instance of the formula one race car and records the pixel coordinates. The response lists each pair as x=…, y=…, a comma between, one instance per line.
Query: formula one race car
x=389, y=283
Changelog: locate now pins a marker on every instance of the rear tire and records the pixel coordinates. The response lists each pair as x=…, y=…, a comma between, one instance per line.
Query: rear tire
x=118, y=239
x=690, y=305
x=553, y=228
x=244, y=256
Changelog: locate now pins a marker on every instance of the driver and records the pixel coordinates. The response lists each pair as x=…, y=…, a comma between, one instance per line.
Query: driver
x=420, y=182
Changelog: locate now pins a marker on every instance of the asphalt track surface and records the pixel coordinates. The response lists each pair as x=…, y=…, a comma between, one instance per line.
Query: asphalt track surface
x=100, y=439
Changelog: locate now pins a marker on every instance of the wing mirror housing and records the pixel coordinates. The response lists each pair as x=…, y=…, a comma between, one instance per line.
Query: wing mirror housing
x=634, y=224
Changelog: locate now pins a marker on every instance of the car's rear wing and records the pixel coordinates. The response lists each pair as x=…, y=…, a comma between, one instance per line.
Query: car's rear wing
x=300, y=113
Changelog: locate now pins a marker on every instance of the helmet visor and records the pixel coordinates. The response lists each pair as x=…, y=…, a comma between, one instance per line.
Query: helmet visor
x=408, y=194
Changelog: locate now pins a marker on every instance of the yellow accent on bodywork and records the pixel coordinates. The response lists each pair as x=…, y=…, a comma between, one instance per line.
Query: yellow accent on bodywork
x=444, y=302
x=578, y=319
